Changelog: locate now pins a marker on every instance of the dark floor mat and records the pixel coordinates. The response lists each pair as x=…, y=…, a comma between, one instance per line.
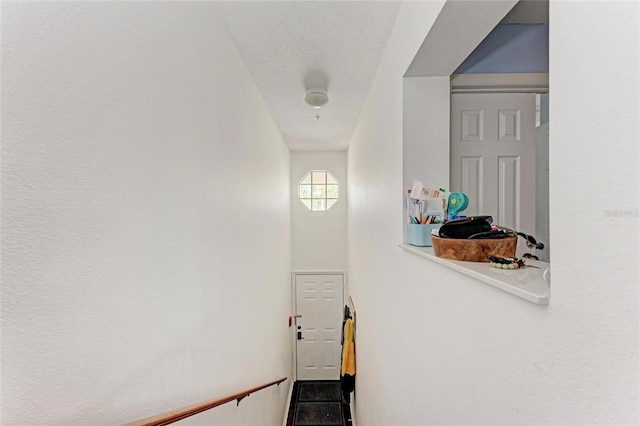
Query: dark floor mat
x=319, y=391
x=318, y=413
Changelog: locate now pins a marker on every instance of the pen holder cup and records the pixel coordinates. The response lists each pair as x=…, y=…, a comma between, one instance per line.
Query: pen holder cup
x=420, y=235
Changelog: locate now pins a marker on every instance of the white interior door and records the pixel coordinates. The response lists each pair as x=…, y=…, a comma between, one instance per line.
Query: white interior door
x=319, y=311
x=493, y=156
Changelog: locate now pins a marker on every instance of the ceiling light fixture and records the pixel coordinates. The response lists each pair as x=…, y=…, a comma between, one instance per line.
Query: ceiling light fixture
x=316, y=97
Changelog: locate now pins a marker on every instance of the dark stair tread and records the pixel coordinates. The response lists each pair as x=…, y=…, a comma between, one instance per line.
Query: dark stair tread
x=321, y=403
x=318, y=413
x=320, y=391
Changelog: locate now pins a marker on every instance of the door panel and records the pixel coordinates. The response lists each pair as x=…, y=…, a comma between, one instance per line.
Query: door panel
x=471, y=184
x=508, y=191
x=319, y=303
x=493, y=156
x=472, y=122
x=509, y=125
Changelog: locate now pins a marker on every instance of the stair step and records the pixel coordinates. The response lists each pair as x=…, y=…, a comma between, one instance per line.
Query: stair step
x=318, y=413
x=318, y=403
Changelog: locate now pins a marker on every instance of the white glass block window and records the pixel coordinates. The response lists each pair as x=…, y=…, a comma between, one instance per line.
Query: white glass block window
x=318, y=190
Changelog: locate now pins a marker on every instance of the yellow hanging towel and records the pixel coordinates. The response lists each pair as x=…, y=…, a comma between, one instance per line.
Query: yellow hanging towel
x=348, y=350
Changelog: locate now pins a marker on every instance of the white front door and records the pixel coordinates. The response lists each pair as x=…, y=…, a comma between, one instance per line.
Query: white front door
x=319, y=315
x=493, y=155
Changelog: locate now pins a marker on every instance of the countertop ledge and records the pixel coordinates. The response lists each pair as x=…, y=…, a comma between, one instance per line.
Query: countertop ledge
x=526, y=283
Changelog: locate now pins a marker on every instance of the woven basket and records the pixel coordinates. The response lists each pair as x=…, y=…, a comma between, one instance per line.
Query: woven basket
x=474, y=250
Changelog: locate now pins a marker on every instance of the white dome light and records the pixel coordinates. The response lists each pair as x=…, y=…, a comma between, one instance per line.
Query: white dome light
x=316, y=97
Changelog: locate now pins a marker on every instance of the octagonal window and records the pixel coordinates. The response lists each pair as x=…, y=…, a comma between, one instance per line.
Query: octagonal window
x=318, y=190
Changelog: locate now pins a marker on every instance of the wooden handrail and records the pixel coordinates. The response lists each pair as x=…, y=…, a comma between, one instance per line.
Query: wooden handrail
x=184, y=412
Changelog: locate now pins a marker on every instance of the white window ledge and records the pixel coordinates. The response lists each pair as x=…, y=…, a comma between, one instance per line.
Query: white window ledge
x=527, y=283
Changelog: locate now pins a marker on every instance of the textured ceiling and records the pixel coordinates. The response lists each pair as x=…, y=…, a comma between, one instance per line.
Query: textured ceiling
x=289, y=46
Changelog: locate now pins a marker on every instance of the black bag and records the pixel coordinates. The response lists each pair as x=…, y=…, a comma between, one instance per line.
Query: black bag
x=465, y=227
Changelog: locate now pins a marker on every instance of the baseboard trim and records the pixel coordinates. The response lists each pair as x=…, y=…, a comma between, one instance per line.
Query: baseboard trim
x=288, y=406
x=352, y=410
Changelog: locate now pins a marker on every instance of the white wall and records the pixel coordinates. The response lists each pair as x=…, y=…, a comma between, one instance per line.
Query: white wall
x=426, y=104
x=436, y=347
x=145, y=217
x=319, y=238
